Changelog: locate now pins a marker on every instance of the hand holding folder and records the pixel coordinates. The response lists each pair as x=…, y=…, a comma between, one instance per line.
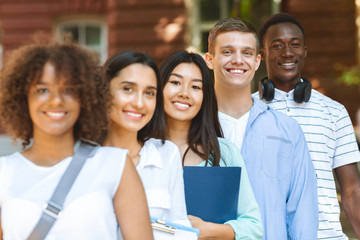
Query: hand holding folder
x=171, y=231
x=212, y=193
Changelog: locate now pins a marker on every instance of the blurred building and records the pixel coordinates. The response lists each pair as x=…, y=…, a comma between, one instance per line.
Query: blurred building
x=160, y=27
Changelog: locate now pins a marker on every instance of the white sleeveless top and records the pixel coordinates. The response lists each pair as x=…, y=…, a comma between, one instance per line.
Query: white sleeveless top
x=88, y=211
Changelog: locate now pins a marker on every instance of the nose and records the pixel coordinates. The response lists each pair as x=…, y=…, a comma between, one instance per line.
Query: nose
x=287, y=51
x=184, y=93
x=56, y=97
x=237, y=58
x=139, y=100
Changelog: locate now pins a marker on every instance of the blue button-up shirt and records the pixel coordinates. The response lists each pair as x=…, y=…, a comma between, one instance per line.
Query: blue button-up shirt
x=281, y=173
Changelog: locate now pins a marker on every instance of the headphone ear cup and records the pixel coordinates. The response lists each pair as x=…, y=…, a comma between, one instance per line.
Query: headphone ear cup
x=302, y=92
x=266, y=89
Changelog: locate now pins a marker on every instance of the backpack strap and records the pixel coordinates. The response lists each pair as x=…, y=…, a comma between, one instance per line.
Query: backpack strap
x=55, y=204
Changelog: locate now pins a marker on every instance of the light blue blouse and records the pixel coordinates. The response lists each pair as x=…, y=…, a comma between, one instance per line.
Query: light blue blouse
x=248, y=224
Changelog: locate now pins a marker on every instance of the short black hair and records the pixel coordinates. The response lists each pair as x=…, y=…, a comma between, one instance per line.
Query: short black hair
x=279, y=18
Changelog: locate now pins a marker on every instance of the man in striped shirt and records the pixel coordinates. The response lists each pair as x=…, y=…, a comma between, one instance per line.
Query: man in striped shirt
x=326, y=124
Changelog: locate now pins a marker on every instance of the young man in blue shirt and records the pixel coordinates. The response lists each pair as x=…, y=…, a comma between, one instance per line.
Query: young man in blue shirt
x=272, y=144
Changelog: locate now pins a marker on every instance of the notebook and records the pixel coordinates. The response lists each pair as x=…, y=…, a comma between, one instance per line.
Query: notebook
x=212, y=193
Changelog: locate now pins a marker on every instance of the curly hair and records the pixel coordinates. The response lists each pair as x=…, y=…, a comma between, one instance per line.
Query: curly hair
x=72, y=62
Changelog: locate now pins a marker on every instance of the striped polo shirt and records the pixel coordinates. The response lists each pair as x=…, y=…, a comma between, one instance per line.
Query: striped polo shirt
x=331, y=141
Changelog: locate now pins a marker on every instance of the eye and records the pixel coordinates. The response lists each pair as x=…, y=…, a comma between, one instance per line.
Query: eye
x=127, y=89
x=226, y=52
x=295, y=44
x=42, y=90
x=175, y=82
x=277, y=46
x=150, y=93
x=196, y=87
x=70, y=90
x=248, y=53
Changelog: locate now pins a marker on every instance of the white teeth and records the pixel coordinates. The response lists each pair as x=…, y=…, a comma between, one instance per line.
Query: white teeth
x=134, y=114
x=182, y=105
x=236, y=71
x=288, y=64
x=55, y=114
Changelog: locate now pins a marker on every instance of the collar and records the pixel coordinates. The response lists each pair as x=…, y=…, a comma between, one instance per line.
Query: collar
x=281, y=95
x=258, y=108
x=149, y=156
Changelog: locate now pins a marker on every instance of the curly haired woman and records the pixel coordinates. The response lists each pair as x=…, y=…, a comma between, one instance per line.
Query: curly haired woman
x=51, y=96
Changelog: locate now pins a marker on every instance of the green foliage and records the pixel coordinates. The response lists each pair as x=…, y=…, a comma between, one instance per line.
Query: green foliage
x=244, y=9
x=349, y=76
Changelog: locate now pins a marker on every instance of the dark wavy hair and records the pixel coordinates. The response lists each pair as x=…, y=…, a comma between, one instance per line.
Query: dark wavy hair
x=205, y=127
x=156, y=127
x=72, y=62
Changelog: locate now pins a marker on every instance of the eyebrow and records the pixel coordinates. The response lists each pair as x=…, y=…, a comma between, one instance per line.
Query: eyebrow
x=280, y=39
x=40, y=83
x=134, y=84
x=231, y=46
x=180, y=76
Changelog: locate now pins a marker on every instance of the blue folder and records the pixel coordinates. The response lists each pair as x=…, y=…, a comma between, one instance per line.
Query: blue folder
x=212, y=193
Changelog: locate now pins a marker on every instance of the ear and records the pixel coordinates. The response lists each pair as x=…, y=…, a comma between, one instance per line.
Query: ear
x=257, y=61
x=262, y=54
x=209, y=60
x=305, y=53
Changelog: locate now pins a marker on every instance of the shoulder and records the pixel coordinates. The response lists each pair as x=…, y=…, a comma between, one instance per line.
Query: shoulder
x=226, y=144
x=266, y=113
x=281, y=119
x=270, y=122
x=230, y=154
x=10, y=159
x=160, y=145
x=256, y=95
x=325, y=101
x=110, y=153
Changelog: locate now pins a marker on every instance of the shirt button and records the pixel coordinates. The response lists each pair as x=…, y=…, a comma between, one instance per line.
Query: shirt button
x=288, y=110
x=287, y=95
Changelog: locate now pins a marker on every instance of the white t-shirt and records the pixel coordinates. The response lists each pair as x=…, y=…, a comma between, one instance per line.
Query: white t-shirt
x=160, y=169
x=88, y=211
x=234, y=129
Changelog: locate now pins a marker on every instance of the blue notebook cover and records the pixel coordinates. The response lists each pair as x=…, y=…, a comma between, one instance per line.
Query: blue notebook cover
x=212, y=193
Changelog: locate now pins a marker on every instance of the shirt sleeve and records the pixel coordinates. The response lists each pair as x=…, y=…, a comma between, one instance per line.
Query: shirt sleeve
x=302, y=202
x=346, y=148
x=248, y=224
x=178, y=212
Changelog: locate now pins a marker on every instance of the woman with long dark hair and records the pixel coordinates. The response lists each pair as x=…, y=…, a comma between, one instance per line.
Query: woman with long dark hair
x=192, y=124
x=137, y=123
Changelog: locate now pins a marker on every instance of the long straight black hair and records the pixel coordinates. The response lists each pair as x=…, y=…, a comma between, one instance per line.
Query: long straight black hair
x=205, y=127
x=156, y=127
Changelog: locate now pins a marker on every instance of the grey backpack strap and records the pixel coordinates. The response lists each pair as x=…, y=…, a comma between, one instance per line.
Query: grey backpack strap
x=54, y=206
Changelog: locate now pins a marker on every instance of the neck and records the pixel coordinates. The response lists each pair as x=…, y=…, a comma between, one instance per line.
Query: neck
x=177, y=131
x=117, y=137
x=286, y=85
x=234, y=102
x=49, y=150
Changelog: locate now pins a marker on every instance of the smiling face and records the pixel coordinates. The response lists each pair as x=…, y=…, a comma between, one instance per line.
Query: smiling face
x=54, y=105
x=134, y=97
x=284, y=51
x=235, y=59
x=183, y=93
